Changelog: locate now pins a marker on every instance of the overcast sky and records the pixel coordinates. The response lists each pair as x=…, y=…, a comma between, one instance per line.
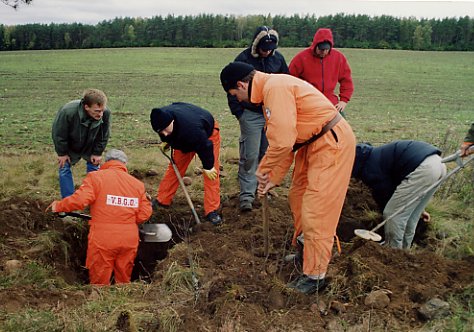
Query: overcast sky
x=94, y=11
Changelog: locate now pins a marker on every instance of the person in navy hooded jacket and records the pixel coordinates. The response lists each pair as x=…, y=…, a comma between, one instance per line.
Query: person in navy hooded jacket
x=189, y=130
x=396, y=173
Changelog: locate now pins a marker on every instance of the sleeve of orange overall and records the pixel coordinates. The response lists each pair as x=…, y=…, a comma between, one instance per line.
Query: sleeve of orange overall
x=281, y=133
x=81, y=198
x=144, y=208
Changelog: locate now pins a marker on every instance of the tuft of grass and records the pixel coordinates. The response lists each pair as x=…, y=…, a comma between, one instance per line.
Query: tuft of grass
x=31, y=320
x=32, y=274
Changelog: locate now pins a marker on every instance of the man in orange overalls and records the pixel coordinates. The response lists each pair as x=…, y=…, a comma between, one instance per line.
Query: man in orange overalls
x=300, y=118
x=118, y=203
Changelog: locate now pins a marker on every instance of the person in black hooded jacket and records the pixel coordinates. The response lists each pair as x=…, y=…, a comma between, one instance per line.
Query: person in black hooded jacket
x=264, y=57
x=396, y=173
x=189, y=130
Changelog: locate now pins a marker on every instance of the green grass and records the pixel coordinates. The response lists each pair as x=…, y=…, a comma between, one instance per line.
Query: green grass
x=398, y=95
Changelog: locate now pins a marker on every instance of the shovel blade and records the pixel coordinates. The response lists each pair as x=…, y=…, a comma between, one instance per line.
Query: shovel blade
x=368, y=235
x=156, y=233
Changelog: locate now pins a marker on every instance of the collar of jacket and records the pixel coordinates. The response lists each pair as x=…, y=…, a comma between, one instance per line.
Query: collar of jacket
x=114, y=164
x=258, y=37
x=86, y=120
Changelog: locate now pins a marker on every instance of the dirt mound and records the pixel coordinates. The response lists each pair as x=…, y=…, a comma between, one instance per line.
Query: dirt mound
x=233, y=285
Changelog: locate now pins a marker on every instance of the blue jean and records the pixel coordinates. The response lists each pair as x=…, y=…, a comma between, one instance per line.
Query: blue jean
x=252, y=146
x=66, y=182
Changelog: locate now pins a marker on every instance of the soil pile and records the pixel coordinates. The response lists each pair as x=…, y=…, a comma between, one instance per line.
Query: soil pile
x=234, y=287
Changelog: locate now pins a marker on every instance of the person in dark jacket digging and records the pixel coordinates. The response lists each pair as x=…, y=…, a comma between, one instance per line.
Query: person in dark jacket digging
x=398, y=172
x=189, y=130
x=264, y=57
x=80, y=130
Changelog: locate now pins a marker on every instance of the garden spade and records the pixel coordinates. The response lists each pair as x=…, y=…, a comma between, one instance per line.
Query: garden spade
x=155, y=232
x=371, y=235
x=181, y=183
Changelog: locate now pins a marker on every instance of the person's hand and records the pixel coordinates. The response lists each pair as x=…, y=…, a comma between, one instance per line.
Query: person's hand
x=95, y=160
x=467, y=148
x=164, y=147
x=425, y=216
x=340, y=106
x=62, y=160
x=51, y=207
x=210, y=173
x=263, y=189
x=262, y=178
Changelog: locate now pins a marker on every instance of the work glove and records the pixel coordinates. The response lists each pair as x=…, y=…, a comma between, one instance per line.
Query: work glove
x=165, y=147
x=210, y=173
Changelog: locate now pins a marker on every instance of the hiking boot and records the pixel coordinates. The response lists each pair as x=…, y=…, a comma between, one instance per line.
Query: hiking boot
x=294, y=282
x=214, y=218
x=155, y=204
x=246, y=206
x=309, y=286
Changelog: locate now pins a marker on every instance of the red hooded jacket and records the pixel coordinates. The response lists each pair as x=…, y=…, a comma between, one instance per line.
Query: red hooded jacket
x=324, y=73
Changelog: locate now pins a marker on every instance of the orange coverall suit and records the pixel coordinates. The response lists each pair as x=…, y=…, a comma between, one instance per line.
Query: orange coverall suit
x=294, y=112
x=117, y=203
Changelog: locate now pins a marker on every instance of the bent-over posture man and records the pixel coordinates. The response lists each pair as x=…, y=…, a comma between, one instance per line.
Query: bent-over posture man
x=300, y=118
x=80, y=130
x=189, y=130
x=118, y=203
x=397, y=173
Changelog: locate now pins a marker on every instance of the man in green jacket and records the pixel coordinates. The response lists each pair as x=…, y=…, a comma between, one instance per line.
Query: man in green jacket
x=80, y=130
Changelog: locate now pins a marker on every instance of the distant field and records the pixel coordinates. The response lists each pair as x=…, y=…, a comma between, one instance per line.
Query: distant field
x=398, y=94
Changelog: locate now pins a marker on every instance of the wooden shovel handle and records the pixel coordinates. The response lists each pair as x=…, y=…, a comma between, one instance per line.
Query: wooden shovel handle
x=266, y=226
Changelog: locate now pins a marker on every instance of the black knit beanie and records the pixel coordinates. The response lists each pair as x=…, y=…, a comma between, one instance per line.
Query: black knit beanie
x=160, y=119
x=233, y=72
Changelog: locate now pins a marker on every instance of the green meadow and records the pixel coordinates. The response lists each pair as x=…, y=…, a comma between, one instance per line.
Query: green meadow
x=398, y=95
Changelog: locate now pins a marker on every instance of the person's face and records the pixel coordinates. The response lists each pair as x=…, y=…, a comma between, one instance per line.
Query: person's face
x=321, y=53
x=264, y=54
x=168, y=130
x=241, y=91
x=95, y=111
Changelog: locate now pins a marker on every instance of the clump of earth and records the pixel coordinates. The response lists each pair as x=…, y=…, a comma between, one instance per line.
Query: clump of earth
x=235, y=281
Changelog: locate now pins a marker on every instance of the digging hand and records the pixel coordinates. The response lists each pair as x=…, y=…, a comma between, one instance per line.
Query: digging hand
x=210, y=173
x=467, y=148
x=95, y=160
x=264, y=188
x=51, y=207
x=165, y=147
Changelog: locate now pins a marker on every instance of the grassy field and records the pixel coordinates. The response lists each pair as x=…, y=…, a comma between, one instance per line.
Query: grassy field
x=398, y=95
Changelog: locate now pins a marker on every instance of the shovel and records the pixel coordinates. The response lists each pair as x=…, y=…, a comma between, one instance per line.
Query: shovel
x=181, y=183
x=75, y=215
x=371, y=235
x=155, y=232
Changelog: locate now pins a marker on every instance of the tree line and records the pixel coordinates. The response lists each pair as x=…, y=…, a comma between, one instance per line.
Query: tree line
x=209, y=30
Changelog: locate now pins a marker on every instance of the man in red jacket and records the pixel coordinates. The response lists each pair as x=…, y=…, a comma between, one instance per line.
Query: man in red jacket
x=324, y=67
x=118, y=203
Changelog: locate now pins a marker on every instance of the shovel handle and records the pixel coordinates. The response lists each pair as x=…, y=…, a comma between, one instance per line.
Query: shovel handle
x=266, y=226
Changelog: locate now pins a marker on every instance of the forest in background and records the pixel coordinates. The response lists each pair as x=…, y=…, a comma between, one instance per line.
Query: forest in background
x=229, y=31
